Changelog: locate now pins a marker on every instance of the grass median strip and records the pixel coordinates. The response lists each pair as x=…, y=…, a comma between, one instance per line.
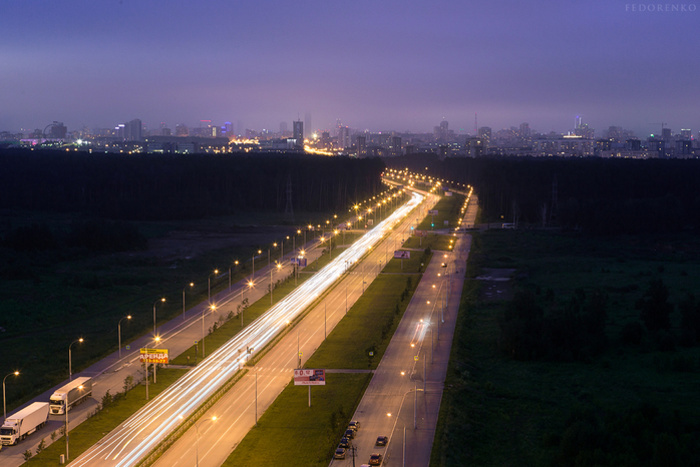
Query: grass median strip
x=102, y=422
x=292, y=433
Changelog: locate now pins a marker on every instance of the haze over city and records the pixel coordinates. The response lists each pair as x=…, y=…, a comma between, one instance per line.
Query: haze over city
x=388, y=65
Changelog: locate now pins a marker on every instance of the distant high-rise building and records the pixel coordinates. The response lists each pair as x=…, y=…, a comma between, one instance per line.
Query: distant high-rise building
x=133, y=130
x=474, y=147
x=228, y=129
x=442, y=132
x=485, y=134
x=298, y=132
x=343, y=137
x=395, y=149
x=686, y=134
x=666, y=134
x=181, y=130
x=525, y=130
x=284, y=128
x=57, y=130
x=325, y=139
x=361, y=142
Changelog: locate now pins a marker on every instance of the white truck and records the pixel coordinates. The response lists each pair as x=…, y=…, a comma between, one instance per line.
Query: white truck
x=71, y=394
x=24, y=423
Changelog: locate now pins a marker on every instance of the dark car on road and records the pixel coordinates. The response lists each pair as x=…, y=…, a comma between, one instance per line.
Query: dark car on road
x=345, y=442
x=349, y=433
x=381, y=441
x=355, y=425
x=339, y=453
x=375, y=459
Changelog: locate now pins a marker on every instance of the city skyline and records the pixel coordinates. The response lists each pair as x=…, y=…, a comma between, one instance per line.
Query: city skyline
x=392, y=65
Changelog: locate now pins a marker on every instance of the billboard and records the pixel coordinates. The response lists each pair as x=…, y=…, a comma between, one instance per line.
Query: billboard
x=448, y=193
x=402, y=254
x=433, y=212
x=420, y=233
x=309, y=377
x=154, y=356
x=300, y=261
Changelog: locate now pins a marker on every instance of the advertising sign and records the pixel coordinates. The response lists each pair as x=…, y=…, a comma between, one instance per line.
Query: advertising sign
x=433, y=212
x=300, y=261
x=402, y=254
x=154, y=356
x=309, y=377
x=420, y=233
x=448, y=193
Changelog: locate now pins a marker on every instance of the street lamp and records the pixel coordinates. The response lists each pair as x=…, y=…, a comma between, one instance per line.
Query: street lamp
x=119, y=332
x=4, y=406
x=162, y=299
x=191, y=284
x=235, y=263
x=70, y=368
x=196, y=428
x=259, y=252
x=278, y=266
x=216, y=271
x=212, y=307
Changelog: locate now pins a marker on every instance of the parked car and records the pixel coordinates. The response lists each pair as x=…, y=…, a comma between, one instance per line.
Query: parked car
x=355, y=425
x=375, y=459
x=339, y=453
x=381, y=441
x=349, y=433
x=345, y=442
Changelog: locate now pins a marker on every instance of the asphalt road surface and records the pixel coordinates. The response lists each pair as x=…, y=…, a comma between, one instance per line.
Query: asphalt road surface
x=213, y=441
x=135, y=438
x=402, y=401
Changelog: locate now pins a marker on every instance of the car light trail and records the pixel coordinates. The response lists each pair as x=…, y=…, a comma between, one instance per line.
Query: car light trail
x=142, y=432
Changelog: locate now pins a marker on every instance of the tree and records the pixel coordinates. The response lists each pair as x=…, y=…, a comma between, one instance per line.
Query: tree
x=655, y=310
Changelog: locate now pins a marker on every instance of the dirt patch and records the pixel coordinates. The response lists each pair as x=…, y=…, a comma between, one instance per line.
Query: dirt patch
x=497, y=284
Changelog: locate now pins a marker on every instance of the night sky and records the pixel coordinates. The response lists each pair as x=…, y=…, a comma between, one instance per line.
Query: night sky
x=378, y=65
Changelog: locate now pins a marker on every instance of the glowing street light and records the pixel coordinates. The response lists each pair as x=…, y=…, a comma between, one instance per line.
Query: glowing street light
x=162, y=299
x=216, y=272
x=4, y=407
x=191, y=284
x=70, y=358
x=119, y=332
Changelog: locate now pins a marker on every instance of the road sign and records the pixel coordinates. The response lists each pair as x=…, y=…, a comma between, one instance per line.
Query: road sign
x=128, y=347
x=415, y=358
x=309, y=377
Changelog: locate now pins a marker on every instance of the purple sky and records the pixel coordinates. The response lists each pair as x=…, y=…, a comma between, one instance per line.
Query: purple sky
x=381, y=65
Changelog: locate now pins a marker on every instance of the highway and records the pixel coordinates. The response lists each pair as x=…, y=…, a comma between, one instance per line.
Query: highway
x=213, y=441
x=134, y=439
x=402, y=401
x=177, y=335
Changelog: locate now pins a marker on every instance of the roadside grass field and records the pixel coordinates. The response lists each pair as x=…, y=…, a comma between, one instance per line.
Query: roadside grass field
x=500, y=411
x=368, y=325
x=448, y=209
x=93, y=429
x=292, y=433
x=431, y=240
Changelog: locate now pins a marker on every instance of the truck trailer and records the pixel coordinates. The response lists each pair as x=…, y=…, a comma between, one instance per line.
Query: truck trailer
x=71, y=394
x=24, y=423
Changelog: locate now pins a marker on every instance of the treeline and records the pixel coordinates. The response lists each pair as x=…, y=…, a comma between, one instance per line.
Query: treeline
x=539, y=326
x=595, y=195
x=165, y=187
